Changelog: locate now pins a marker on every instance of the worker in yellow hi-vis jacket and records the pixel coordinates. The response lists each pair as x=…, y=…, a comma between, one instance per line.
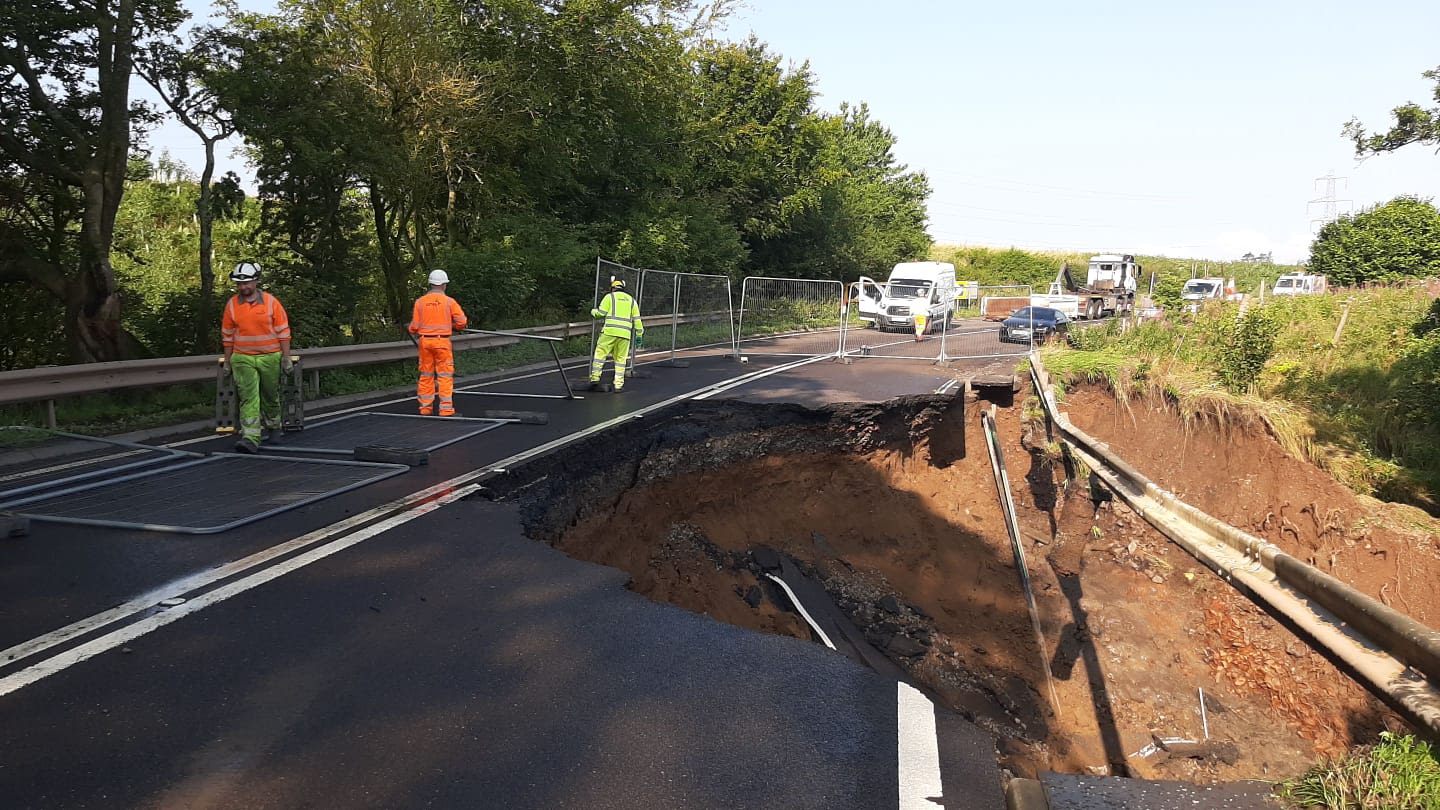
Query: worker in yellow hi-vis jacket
x=622, y=322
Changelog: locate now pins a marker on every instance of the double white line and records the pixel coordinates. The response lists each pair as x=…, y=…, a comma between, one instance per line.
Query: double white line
x=183, y=597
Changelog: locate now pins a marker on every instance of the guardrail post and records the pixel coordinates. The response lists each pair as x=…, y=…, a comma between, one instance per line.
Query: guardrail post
x=315, y=382
x=50, y=414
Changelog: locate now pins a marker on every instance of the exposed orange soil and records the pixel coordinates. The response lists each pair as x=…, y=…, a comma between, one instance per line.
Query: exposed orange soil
x=1133, y=627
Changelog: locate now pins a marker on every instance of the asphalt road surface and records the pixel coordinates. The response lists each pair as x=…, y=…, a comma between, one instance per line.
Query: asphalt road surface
x=404, y=645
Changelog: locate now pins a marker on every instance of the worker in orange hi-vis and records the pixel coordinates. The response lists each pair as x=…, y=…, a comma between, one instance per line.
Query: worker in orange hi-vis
x=256, y=334
x=435, y=319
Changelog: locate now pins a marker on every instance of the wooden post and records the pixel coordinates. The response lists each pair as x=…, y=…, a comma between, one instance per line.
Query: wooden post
x=1340, y=327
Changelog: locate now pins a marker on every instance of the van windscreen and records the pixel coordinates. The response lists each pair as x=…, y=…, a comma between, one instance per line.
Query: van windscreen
x=909, y=288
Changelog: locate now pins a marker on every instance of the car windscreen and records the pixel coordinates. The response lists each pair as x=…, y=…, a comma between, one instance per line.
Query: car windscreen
x=1038, y=315
x=909, y=288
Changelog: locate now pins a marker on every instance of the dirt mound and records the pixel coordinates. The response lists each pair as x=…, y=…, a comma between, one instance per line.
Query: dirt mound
x=1243, y=477
x=893, y=509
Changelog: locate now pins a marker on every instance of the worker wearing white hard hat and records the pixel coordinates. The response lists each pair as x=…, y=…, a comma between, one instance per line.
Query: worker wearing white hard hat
x=434, y=320
x=255, y=331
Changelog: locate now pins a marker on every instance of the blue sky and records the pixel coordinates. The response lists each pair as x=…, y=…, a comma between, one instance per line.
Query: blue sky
x=1193, y=130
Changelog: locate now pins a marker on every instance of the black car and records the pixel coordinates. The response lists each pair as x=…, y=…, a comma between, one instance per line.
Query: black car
x=1037, y=323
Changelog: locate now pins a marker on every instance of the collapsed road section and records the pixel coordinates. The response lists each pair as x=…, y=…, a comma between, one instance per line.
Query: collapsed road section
x=890, y=513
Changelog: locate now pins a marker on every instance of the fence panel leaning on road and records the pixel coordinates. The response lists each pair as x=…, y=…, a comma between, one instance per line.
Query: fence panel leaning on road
x=791, y=317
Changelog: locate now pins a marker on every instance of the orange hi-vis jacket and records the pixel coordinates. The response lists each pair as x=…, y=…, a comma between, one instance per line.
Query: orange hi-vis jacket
x=254, y=328
x=436, y=315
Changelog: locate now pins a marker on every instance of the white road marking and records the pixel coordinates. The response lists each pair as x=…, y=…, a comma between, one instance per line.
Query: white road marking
x=918, y=749
x=721, y=388
x=130, y=632
x=186, y=586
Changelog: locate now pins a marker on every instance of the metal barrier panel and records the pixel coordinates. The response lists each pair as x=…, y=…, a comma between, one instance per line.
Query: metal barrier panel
x=103, y=457
x=342, y=435
x=961, y=335
x=666, y=295
x=202, y=496
x=979, y=333
x=791, y=317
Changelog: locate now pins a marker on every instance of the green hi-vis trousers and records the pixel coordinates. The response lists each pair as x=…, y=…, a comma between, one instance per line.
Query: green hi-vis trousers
x=257, y=384
x=606, y=346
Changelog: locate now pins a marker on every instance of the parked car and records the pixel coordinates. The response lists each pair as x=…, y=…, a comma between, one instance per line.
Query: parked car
x=1039, y=323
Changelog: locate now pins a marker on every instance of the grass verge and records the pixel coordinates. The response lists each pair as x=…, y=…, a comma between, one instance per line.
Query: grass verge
x=1400, y=772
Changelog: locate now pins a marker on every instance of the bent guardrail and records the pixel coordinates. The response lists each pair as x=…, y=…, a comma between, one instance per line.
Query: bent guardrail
x=1394, y=656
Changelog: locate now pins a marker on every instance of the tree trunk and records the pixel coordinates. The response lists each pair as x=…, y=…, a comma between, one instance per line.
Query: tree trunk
x=205, y=328
x=93, y=300
x=396, y=297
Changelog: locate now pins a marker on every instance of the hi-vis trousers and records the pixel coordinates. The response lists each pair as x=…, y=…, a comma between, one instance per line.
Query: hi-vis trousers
x=618, y=345
x=437, y=364
x=257, y=384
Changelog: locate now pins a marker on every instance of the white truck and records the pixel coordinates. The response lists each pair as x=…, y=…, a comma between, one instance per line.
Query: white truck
x=913, y=287
x=1300, y=284
x=1109, y=288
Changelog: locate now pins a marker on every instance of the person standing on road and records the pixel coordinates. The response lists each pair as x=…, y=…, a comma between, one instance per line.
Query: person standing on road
x=921, y=318
x=622, y=321
x=436, y=317
x=256, y=334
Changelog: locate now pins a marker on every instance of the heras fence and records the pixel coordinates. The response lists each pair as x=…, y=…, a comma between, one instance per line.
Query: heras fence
x=974, y=329
x=791, y=317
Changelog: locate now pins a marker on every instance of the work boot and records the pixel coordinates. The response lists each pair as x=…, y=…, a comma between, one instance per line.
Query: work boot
x=425, y=411
x=246, y=447
x=594, y=386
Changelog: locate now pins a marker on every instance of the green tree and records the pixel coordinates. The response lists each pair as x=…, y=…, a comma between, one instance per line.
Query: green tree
x=1413, y=124
x=66, y=115
x=1400, y=239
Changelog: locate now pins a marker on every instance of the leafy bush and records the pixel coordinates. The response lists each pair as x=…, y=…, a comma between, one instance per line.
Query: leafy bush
x=1245, y=344
x=1400, y=239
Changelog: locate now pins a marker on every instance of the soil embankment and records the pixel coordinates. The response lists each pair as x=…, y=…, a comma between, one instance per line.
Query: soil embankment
x=893, y=510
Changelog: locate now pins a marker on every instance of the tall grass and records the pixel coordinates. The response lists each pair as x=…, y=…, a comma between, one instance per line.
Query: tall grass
x=1365, y=406
x=1398, y=773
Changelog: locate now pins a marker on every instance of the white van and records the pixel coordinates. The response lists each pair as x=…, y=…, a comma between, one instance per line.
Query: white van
x=1299, y=284
x=913, y=287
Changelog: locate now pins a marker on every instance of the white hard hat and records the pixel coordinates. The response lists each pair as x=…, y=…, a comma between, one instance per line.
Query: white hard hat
x=439, y=277
x=245, y=271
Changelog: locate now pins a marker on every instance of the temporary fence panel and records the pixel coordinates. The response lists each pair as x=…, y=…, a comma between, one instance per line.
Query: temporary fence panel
x=666, y=296
x=201, y=496
x=791, y=317
x=93, y=458
x=340, y=436
x=978, y=338
x=959, y=335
